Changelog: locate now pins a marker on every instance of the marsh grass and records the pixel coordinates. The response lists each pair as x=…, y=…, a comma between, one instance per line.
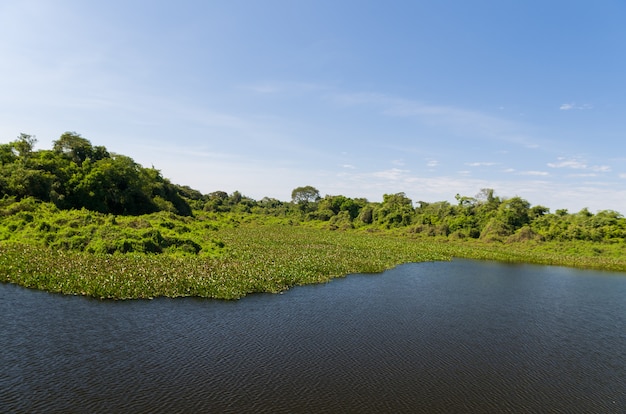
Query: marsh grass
x=258, y=259
x=227, y=256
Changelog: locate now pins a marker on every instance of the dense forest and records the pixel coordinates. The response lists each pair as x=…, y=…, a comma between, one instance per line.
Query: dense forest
x=76, y=175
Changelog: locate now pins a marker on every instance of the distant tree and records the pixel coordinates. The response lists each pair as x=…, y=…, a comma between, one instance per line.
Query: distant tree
x=396, y=210
x=514, y=212
x=306, y=198
x=217, y=201
x=538, y=211
x=307, y=194
x=24, y=145
x=486, y=195
x=235, y=198
x=464, y=200
x=78, y=149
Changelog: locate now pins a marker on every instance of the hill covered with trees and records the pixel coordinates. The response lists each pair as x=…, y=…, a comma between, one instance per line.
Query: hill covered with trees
x=75, y=174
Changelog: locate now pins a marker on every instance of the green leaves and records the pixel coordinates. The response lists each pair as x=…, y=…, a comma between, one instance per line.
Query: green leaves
x=76, y=174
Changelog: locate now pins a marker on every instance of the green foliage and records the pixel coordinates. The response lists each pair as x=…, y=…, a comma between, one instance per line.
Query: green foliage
x=30, y=221
x=77, y=175
x=78, y=149
x=306, y=194
x=306, y=198
x=396, y=210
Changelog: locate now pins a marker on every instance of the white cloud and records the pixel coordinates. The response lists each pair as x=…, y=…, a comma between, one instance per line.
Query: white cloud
x=583, y=175
x=432, y=163
x=578, y=164
x=567, y=163
x=480, y=164
x=536, y=173
x=393, y=174
x=572, y=105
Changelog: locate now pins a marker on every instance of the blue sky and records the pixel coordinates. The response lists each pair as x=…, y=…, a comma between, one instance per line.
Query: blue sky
x=359, y=98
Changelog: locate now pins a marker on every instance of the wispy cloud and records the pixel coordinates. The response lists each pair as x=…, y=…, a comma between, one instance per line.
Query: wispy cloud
x=587, y=175
x=393, y=174
x=534, y=173
x=567, y=163
x=480, y=164
x=461, y=121
x=573, y=105
x=283, y=87
x=577, y=164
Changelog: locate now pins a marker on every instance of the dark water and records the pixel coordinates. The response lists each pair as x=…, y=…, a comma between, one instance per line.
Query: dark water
x=441, y=337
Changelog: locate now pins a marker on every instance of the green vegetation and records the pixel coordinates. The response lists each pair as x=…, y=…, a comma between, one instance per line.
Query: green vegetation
x=75, y=174
x=79, y=220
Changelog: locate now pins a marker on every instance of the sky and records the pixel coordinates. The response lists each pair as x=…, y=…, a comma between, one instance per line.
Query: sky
x=356, y=98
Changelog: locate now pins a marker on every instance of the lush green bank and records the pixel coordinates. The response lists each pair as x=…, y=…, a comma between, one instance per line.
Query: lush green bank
x=79, y=219
x=265, y=258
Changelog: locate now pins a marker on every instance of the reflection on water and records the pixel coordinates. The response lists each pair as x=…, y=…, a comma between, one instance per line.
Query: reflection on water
x=440, y=337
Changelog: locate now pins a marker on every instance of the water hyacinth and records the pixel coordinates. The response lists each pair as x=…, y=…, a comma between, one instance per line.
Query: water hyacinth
x=260, y=258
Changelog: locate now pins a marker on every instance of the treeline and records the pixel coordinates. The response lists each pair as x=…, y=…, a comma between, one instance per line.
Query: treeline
x=484, y=216
x=74, y=174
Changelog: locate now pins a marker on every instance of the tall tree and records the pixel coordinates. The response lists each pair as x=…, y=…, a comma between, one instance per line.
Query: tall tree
x=24, y=145
x=78, y=149
x=306, y=194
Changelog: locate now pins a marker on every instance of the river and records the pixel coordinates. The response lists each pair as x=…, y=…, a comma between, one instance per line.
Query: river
x=440, y=337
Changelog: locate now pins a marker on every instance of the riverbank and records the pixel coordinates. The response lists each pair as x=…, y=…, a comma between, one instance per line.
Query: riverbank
x=269, y=258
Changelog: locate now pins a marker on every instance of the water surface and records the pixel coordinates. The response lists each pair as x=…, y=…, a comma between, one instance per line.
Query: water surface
x=460, y=336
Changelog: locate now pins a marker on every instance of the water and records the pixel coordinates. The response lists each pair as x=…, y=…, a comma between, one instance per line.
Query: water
x=444, y=337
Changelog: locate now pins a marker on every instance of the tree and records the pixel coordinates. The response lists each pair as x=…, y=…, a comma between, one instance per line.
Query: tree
x=24, y=145
x=514, y=212
x=78, y=149
x=307, y=194
x=396, y=210
x=305, y=198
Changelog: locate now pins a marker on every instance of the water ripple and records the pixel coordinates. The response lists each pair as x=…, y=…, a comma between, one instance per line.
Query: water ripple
x=435, y=337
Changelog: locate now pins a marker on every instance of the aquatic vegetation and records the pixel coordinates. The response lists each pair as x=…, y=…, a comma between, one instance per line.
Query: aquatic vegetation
x=258, y=259
x=227, y=255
